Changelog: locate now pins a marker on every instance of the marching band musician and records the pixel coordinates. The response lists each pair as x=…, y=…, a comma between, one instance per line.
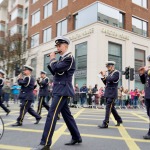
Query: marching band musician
x=144, y=73
x=43, y=91
x=62, y=71
x=26, y=95
x=2, y=73
x=111, y=89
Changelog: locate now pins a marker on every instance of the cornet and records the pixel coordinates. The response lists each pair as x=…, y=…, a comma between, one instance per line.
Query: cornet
x=56, y=52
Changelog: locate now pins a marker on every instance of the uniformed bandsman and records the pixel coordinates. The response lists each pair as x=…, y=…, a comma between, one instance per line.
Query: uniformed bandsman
x=144, y=73
x=111, y=81
x=43, y=91
x=2, y=73
x=63, y=71
x=26, y=95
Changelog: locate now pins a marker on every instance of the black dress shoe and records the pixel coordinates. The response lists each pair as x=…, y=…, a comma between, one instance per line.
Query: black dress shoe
x=7, y=112
x=118, y=124
x=38, y=120
x=41, y=147
x=147, y=137
x=103, y=126
x=17, y=124
x=73, y=142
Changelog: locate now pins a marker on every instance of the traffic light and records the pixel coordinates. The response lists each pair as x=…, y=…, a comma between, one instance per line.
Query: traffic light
x=131, y=74
x=17, y=71
x=127, y=72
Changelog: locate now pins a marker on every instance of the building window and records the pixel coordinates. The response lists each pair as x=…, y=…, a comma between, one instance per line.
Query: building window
x=115, y=54
x=139, y=62
x=46, y=63
x=33, y=64
x=17, y=13
x=34, y=1
x=81, y=63
x=62, y=4
x=16, y=29
x=36, y=18
x=99, y=12
x=26, y=13
x=62, y=28
x=75, y=21
x=48, y=10
x=139, y=26
x=47, y=35
x=142, y=3
x=2, y=41
x=2, y=27
x=35, y=40
x=25, y=29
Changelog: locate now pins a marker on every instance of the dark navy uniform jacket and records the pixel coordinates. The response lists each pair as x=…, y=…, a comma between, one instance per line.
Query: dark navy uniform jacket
x=111, y=82
x=43, y=91
x=145, y=79
x=63, y=71
x=1, y=85
x=27, y=86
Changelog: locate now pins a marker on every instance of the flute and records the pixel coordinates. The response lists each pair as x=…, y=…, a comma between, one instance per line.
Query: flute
x=56, y=52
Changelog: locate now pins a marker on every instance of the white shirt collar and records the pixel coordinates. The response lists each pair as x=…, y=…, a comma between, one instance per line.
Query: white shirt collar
x=64, y=54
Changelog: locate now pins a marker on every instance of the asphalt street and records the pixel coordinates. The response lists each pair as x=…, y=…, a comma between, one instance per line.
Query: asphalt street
x=129, y=136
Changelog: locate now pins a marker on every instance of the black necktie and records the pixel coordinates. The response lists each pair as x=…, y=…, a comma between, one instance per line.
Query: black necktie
x=60, y=58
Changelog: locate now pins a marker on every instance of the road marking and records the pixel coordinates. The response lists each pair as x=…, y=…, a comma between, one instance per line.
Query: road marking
x=111, y=137
x=62, y=129
x=143, y=118
x=25, y=130
x=10, y=147
x=130, y=143
x=43, y=115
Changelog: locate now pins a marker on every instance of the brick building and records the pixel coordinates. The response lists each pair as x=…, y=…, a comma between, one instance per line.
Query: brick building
x=99, y=30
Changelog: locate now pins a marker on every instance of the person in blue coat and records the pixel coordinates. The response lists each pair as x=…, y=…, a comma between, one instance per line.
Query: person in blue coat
x=26, y=95
x=43, y=82
x=144, y=73
x=2, y=73
x=63, y=71
x=111, y=93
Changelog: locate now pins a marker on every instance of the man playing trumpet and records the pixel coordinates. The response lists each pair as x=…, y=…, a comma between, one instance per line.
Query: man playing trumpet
x=144, y=73
x=26, y=95
x=111, y=92
x=43, y=91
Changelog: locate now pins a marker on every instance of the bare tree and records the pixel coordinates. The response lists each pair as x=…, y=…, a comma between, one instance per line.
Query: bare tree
x=13, y=55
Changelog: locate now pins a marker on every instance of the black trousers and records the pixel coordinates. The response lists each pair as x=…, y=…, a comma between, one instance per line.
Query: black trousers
x=59, y=104
x=2, y=105
x=147, y=103
x=26, y=107
x=42, y=103
x=110, y=108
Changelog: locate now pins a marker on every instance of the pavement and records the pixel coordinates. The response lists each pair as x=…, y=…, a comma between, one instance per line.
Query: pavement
x=129, y=136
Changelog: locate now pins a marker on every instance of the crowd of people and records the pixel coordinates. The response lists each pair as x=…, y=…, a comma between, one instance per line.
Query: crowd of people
x=84, y=96
x=95, y=96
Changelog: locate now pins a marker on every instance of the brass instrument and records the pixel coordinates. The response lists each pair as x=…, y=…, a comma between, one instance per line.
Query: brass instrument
x=56, y=52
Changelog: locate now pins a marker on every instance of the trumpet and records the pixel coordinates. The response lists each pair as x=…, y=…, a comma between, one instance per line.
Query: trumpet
x=56, y=52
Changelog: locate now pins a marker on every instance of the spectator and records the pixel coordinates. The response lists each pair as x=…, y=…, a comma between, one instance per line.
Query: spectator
x=141, y=98
x=119, y=100
x=136, y=97
x=124, y=98
x=83, y=93
x=90, y=95
x=6, y=92
x=15, y=92
x=77, y=94
x=131, y=97
x=102, y=99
